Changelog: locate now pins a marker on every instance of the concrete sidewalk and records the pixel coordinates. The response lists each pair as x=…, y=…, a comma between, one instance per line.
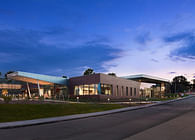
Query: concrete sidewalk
x=78, y=116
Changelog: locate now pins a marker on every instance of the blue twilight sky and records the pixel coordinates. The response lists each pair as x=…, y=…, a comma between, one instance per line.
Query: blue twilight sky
x=64, y=37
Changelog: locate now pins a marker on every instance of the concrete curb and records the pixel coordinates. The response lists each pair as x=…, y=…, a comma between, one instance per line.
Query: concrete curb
x=78, y=116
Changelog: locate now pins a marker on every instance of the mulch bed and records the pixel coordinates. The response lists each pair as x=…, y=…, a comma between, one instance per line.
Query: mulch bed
x=31, y=102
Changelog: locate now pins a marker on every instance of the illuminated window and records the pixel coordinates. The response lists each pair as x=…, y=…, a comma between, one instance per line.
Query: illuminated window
x=4, y=92
x=10, y=86
x=92, y=89
x=86, y=89
x=106, y=89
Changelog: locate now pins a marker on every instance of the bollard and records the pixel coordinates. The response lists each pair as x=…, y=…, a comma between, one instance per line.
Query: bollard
x=77, y=99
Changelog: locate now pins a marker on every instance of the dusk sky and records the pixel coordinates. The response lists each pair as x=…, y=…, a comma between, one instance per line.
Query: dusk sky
x=65, y=37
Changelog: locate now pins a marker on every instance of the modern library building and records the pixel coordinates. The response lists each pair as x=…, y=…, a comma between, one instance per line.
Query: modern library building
x=98, y=86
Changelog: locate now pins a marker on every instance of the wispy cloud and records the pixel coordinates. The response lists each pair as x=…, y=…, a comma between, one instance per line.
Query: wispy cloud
x=154, y=60
x=159, y=56
x=143, y=38
x=187, y=48
x=172, y=72
x=46, y=58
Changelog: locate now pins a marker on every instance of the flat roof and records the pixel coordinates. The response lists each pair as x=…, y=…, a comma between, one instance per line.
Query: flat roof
x=34, y=78
x=146, y=78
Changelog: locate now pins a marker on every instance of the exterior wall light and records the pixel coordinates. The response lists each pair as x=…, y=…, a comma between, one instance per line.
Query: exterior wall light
x=77, y=99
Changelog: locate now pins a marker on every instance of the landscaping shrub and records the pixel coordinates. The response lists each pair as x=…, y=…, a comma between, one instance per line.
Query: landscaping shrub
x=6, y=99
x=41, y=98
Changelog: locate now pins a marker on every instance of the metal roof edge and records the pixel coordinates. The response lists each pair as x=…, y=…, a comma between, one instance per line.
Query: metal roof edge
x=146, y=76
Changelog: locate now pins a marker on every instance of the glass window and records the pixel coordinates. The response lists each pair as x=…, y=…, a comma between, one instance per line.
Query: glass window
x=122, y=91
x=117, y=90
x=76, y=90
x=106, y=89
x=93, y=89
x=86, y=89
x=126, y=91
x=131, y=90
x=111, y=89
x=134, y=91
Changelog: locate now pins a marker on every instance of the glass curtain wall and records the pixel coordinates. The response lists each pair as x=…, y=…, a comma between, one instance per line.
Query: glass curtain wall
x=106, y=89
x=93, y=89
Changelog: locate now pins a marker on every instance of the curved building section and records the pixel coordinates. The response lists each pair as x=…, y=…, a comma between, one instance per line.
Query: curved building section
x=37, y=85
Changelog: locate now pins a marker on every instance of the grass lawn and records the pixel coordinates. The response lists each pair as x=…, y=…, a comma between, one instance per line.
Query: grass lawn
x=17, y=112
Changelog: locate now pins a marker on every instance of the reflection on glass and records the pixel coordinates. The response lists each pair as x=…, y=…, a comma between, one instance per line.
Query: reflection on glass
x=86, y=89
x=93, y=89
x=106, y=89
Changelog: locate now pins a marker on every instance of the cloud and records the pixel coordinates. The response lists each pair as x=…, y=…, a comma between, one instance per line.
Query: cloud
x=24, y=50
x=187, y=48
x=143, y=38
x=172, y=72
x=177, y=58
x=154, y=60
x=185, y=36
x=99, y=39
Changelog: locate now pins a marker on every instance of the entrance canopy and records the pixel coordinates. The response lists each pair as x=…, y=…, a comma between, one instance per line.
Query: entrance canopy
x=37, y=78
x=146, y=79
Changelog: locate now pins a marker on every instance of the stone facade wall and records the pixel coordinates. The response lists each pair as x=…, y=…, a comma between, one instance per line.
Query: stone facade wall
x=121, y=83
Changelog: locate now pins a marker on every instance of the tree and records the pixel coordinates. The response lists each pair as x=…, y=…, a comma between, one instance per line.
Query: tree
x=193, y=85
x=0, y=74
x=64, y=76
x=89, y=71
x=112, y=74
x=8, y=73
x=193, y=81
x=180, y=84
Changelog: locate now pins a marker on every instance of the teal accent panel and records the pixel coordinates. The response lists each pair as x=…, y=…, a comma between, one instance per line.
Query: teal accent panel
x=99, y=88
